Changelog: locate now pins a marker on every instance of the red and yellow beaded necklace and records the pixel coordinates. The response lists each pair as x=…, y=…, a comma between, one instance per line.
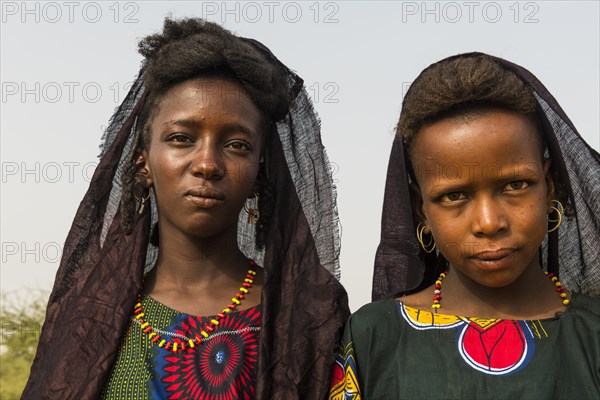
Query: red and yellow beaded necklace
x=437, y=292
x=189, y=343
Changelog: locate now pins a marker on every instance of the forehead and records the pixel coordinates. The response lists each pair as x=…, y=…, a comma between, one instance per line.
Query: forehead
x=494, y=141
x=209, y=94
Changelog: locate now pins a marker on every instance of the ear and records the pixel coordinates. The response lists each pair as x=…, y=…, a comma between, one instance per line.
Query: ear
x=143, y=173
x=416, y=199
x=550, y=186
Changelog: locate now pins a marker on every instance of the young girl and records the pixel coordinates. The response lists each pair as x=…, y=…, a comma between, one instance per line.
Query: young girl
x=491, y=179
x=211, y=168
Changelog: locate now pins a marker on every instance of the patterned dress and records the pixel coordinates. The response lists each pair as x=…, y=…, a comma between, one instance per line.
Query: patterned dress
x=223, y=367
x=392, y=351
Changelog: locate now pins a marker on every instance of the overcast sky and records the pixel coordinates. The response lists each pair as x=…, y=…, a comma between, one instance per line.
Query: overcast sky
x=65, y=66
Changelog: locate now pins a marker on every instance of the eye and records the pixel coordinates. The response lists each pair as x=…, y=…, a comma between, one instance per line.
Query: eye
x=453, y=196
x=179, y=138
x=239, y=145
x=516, y=185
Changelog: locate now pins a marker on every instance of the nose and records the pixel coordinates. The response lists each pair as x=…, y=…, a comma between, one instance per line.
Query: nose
x=207, y=161
x=489, y=217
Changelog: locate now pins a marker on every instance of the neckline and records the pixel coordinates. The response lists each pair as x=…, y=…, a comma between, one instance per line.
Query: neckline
x=574, y=296
x=233, y=312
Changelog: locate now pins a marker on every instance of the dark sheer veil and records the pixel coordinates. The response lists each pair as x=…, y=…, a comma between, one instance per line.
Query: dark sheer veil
x=304, y=306
x=573, y=250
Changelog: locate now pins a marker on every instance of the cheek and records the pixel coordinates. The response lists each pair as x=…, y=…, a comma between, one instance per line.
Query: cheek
x=243, y=175
x=250, y=173
x=445, y=224
x=447, y=232
x=448, y=238
x=165, y=163
x=535, y=220
x=166, y=175
x=534, y=213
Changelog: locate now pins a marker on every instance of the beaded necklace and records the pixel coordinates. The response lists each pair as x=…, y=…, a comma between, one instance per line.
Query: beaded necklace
x=186, y=342
x=437, y=292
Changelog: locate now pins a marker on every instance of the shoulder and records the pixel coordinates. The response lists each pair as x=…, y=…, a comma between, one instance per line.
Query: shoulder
x=376, y=309
x=373, y=316
x=584, y=305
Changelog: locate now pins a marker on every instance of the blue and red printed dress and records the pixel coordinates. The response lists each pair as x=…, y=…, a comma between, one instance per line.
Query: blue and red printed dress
x=223, y=367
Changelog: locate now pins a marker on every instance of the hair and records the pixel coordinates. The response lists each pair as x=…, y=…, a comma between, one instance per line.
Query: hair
x=465, y=87
x=462, y=86
x=192, y=48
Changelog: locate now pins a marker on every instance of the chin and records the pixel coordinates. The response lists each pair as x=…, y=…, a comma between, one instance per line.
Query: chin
x=207, y=229
x=497, y=280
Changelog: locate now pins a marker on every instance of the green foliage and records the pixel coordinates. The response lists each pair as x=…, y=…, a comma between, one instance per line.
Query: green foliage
x=21, y=317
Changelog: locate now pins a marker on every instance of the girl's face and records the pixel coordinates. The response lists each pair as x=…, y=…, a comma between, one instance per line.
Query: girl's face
x=484, y=193
x=203, y=156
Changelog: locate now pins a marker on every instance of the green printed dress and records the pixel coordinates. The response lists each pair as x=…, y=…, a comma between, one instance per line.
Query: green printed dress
x=392, y=351
x=222, y=367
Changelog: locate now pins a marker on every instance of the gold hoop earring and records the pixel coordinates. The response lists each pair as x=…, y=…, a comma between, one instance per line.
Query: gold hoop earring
x=420, y=229
x=252, y=211
x=560, y=210
x=142, y=201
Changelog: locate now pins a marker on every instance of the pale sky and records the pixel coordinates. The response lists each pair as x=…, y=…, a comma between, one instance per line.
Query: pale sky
x=65, y=66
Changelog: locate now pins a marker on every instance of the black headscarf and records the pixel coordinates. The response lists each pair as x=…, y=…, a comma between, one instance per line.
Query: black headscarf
x=573, y=251
x=304, y=306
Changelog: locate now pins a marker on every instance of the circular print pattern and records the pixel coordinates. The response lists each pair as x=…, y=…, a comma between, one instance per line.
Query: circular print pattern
x=223, y=367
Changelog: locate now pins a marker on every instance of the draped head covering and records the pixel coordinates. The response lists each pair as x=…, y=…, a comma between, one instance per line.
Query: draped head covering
x=304, y=306
x=573, y=251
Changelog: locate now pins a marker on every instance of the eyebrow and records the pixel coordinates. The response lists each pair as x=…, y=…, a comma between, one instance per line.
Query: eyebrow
x=517, y=171
x=196, y=124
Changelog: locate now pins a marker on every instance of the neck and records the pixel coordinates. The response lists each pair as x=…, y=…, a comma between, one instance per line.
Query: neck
x=192, y=262
x=531, y=296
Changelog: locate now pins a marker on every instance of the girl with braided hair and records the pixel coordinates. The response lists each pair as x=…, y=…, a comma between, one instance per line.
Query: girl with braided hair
x=487, y=276
x=203, y=260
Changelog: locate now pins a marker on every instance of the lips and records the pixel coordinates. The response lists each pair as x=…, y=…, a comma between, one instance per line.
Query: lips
x=204, y=197
x=488, y=255
x=494, y=259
